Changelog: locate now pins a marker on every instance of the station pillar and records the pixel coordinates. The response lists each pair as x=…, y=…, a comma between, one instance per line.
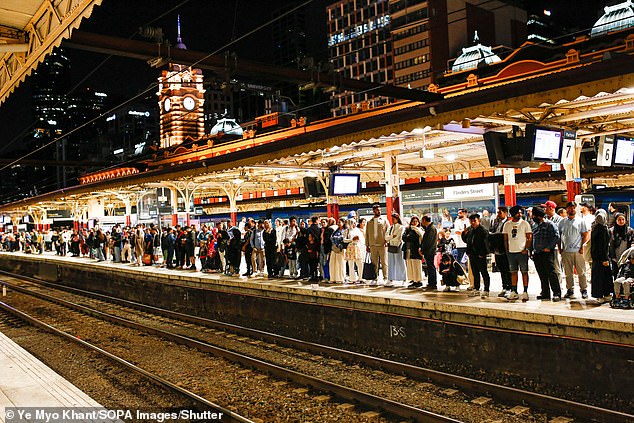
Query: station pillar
x=392, y=185
x=332, y=207
x=128, y=211
x=510, y=195
x=174, y=204
x=573, y=174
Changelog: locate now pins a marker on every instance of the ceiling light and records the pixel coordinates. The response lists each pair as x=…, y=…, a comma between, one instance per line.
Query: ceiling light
x=237, y=181
x=451, y=157
x=427, y=154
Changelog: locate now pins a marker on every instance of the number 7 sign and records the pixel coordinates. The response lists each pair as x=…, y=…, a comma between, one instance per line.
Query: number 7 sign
x=568, y=151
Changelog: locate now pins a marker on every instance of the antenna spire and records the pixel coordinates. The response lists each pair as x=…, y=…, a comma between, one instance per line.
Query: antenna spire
x=179, y=40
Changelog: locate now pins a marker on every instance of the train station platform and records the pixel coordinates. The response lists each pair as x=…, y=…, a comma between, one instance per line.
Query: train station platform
x=572, y=318
x=572, y=344
x=27, y=382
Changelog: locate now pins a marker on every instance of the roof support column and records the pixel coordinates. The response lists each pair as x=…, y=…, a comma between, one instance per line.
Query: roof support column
x=392, y=185
x=510, y=196
x=174, y=203
x=573, y=173
x=233, y=191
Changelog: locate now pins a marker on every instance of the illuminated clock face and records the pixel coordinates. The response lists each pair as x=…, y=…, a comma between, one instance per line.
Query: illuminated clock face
x=189, y=103
x=167, y=105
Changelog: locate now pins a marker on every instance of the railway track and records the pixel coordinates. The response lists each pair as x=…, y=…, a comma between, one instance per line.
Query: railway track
x=350, y=395
x=224, y=414
x=471, y=387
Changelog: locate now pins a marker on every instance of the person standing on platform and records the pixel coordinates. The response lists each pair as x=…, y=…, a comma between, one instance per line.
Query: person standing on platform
x=428, y=248
x=601, y=277
x=171, y=246
x=587, y=214
x=355, y=251
x=518, y=236
x=234, y=253
x=550, y=208
x=315, y=230
x=396, y=264
x=486, y=220
x=499, y=250
x=475, y=237
x=412, y=238
x=545, y=238
x=326, y=245
x=461, y=223
x=247, y=249
x=257, y=243
x=621, y=238
x=376, y=230
x=270, y=248
x=573, y=233
x=139, y=244
x=336, y=264
x=324, y=271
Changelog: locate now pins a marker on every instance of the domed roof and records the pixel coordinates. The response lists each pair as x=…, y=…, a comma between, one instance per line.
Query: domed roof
x=619, y=16
x=474, y=56
x=227, y=127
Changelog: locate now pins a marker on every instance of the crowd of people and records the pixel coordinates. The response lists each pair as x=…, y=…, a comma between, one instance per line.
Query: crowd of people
x=381, y=251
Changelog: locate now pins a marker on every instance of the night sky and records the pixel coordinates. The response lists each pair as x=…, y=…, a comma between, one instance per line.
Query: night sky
x=206, y=26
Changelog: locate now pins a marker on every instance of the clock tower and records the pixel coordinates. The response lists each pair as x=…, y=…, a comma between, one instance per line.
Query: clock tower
x=181, y=98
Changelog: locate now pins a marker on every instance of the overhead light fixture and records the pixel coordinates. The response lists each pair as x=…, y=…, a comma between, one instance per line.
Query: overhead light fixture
x=237, y=181
x=427, y=154
x=450, y=157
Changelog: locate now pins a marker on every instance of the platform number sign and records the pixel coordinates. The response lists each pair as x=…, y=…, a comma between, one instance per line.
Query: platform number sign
x=568, y=148
x=605, y=151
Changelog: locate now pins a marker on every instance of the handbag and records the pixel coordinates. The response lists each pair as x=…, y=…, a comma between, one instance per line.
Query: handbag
x=369, y=272
x=393, y=249
x=146, y=259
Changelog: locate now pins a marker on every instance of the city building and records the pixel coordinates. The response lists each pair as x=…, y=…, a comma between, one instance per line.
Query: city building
x=359, y=47
x=409, y=42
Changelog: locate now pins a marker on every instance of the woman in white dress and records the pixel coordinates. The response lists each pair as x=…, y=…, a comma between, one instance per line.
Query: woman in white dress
x=337, y=263
x=355, y=251
x=395, y=261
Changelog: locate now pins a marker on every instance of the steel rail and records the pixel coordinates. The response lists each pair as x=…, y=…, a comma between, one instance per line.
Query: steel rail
x=368, y=400
x=474, y=386
x=227, y=415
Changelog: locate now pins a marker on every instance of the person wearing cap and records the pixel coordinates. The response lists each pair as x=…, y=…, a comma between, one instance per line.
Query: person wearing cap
x=477, y=250
x=545, y=238
x=376, y=244
x=518, y=236
x=573, y=234
x=587, y=214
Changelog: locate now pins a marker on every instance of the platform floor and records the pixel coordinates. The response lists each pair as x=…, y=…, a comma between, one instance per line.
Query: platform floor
x=575, y=312
x=27, y=382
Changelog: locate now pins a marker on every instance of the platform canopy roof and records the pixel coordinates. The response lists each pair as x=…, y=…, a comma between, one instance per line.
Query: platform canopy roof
x=29, y=30
x=592, y=94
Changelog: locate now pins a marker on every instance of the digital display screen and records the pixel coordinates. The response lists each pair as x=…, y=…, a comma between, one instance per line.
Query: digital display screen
x=624, y=151
x=344, y=184
x=547, y=145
